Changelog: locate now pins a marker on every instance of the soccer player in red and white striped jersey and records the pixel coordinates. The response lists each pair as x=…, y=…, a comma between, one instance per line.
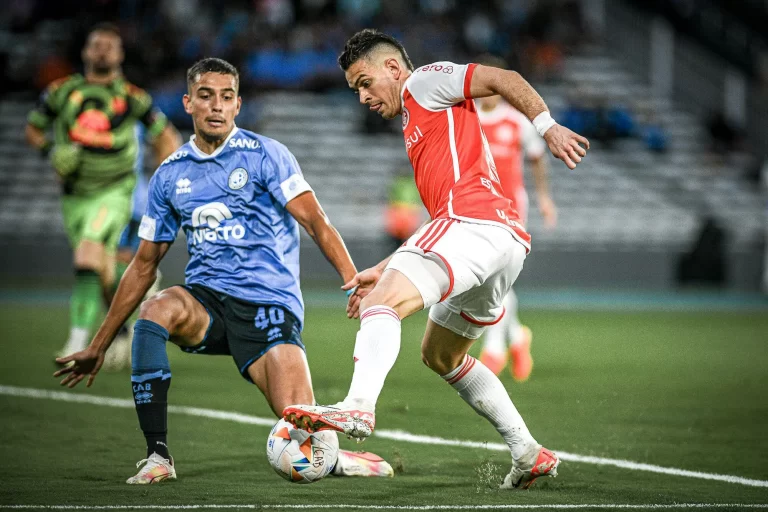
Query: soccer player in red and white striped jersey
x=462, y=263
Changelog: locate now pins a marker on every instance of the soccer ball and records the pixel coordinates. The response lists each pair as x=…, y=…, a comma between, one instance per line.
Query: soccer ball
x=299, y=456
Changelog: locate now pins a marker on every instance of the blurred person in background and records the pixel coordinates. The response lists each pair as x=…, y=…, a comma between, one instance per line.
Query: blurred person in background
x=511, y=138
x=94, y=150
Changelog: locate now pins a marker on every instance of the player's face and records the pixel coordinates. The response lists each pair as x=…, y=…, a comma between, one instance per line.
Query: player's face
x=213, y=104
x=103, y=52
x=378, y=85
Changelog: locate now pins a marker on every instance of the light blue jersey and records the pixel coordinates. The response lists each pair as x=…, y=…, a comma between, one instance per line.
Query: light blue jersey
x=231, y=205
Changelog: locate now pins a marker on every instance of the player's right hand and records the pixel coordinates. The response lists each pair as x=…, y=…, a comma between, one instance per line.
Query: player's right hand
x=362, y=284
x=84, y=363
x=565, y=145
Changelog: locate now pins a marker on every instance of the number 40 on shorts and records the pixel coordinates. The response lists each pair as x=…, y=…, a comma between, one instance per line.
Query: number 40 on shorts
x=266, y=317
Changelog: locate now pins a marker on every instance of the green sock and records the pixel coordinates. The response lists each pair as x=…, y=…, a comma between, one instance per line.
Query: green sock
x=120, y=268
x=85, y=305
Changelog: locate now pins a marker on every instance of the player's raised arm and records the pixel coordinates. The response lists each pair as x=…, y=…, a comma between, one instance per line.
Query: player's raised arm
x=562, y=142
x=307, y=211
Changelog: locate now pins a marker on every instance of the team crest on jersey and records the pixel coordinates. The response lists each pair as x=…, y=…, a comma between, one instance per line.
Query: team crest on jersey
x=238, y=178
x=406, y=117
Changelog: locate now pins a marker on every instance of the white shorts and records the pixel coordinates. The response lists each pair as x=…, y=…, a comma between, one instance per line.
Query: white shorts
x=462, y=271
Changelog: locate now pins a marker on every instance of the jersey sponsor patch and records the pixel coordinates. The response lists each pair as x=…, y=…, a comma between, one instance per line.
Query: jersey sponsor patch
x=294, y=186
x=147, y=228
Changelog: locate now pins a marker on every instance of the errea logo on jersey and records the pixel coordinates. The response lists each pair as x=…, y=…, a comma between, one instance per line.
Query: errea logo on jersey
x=183, y=186
x=244, y=143
x=207, y=219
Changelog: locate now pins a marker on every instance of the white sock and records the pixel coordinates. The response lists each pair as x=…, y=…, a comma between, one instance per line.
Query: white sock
x=513, y=330
x=78, y=340
x=485, y=393
x=376, y=350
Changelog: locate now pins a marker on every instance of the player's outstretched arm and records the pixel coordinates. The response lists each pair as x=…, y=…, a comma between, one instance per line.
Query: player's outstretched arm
x=307, y=211
x=138, y=278
x=562, y=142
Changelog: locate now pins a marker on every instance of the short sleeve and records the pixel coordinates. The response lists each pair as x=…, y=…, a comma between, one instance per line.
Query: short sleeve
x=441, y=85
x=160, y=223
x=533, y=145
x=282, y=175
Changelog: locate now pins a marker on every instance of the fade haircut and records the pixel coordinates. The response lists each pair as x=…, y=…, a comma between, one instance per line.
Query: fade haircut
x=104, y=27
x=367, y=41
x=211, y=65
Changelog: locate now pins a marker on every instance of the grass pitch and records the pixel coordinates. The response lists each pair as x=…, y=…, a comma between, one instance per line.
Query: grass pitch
x=679, y=390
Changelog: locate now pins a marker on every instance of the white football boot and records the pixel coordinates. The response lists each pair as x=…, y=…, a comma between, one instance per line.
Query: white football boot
x=362, y=464
x=155, y=470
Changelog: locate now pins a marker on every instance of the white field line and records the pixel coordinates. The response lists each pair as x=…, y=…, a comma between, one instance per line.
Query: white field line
x=395, y=435
x=609, y=506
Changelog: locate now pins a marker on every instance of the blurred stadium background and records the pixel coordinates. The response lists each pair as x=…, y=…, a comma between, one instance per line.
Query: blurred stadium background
x=668, y=212
x=673, y=95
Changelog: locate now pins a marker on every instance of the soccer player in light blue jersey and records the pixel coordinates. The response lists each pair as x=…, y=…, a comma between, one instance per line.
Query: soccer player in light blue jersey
x=240, y=198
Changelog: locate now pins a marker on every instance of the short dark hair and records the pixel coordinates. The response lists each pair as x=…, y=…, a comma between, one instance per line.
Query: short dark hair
x=105, y=26
x=362, y=44
x=212, y=65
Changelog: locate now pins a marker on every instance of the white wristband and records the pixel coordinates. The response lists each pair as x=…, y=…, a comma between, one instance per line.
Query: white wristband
x=543, y=122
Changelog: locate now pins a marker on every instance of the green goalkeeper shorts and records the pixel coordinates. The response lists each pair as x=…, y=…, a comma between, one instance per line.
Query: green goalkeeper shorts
x=99, y=218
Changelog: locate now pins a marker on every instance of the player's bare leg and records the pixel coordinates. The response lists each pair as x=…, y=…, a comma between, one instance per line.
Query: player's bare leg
x=376, y=349
x=282, y=374
x=445, y=352
x=171, y=315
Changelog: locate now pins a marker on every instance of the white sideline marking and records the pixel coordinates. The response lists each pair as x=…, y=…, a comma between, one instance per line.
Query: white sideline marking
x=610, y=506
x=395, y=435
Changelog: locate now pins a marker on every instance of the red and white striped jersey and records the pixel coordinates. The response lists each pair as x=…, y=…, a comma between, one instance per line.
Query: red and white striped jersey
x=510, y=136
x=453, y=166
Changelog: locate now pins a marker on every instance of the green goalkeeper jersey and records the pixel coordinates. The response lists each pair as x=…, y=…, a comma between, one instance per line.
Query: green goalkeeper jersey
x=95, y=124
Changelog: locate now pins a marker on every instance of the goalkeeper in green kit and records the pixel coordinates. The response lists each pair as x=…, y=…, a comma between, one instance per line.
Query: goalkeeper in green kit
x=93, y=150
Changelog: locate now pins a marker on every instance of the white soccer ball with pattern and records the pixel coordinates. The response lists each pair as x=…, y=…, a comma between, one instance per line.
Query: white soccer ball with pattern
x=299, y=456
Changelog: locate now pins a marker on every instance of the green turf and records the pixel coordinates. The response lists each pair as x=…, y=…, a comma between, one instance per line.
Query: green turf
x=684, y=390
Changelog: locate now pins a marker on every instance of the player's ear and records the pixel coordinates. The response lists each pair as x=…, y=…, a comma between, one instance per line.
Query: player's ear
x=239, y=103
x=394, y=68
x=187, y=107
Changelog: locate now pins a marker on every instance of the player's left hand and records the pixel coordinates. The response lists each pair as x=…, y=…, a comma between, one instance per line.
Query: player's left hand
x=565, y=145
x=84, y=363
x=362, y=284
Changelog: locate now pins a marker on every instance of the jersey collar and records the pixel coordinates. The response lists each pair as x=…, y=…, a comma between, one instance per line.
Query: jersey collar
x=205, y=156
